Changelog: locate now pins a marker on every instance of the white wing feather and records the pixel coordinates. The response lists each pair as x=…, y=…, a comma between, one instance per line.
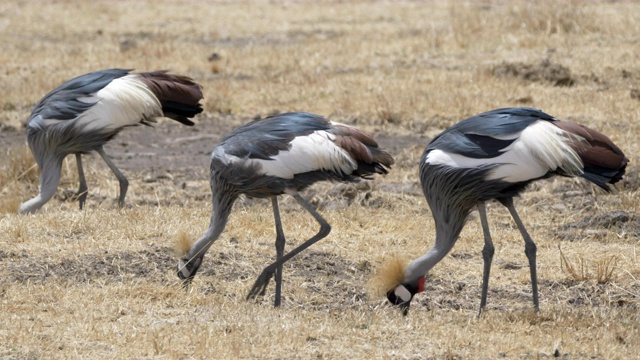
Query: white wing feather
x=312, y=152
x=123, y=102
x=540, y=148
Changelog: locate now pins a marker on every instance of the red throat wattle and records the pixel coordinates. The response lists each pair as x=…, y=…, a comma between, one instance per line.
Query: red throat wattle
x=421, y=284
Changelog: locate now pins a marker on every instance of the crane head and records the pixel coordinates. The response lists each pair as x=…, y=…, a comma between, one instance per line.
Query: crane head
x=187, y=269
x=402, y=294
x=390, y=280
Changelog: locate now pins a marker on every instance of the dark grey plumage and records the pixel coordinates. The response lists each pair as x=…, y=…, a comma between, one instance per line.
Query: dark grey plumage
x=86, y=112
x=282, y=154
x=63, y=102
x=495, y=155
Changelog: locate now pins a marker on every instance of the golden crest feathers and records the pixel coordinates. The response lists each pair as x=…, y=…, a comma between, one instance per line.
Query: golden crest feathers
x=389, y=275
x=183, y=243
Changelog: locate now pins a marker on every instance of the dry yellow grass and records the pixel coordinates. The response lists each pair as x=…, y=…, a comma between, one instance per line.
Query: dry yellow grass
x=100, y=283
x=20, y=172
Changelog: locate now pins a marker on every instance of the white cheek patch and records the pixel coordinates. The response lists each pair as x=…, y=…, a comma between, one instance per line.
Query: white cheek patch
x=402, y=293
x=182, y=268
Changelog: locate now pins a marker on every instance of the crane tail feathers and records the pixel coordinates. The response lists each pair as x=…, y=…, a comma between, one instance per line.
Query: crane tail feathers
x=604, y=163
x=180, y=112
x=179, y=95
x=371, y=159
x=382, y=158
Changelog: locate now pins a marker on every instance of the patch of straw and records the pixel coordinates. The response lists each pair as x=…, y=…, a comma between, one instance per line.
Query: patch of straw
x=18, y=177
x=606, y=268
x=575, y=273
x=21, y=166
x=10, y=205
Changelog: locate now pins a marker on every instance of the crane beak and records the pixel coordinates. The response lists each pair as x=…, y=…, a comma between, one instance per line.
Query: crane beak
x=400, y=296
x=404, y=293
x=187, y=269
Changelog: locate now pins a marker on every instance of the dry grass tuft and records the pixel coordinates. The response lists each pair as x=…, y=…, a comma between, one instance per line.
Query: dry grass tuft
x=21, y=167
x=389, y=275
x=18, y=177
x=183, y=243
x=605, y=268
x=577, y=273
x=10, y=204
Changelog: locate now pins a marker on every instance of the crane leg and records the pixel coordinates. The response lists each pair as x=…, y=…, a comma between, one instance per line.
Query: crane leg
x=280, y=241
x=487, y=255
x=82, y=190
x=261, y=282
x=529, y=249
x=124, y=183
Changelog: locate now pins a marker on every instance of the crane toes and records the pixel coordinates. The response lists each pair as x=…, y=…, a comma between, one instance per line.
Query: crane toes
x=82, y=198
x=260, y=286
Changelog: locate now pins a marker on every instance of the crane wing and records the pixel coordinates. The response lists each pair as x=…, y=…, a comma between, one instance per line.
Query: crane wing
x=520, y=144
x=69, y=100
x=289, y=144
x=264, y=138
x=487, y=135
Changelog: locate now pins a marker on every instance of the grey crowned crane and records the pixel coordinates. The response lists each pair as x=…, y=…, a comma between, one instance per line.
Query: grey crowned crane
x=495, y=155
x=281, y=154
x=86, y=112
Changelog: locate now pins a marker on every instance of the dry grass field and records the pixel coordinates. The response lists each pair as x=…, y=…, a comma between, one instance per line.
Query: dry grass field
x=100, y=283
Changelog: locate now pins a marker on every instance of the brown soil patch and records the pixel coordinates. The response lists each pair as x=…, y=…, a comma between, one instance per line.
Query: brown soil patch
x=545, y=71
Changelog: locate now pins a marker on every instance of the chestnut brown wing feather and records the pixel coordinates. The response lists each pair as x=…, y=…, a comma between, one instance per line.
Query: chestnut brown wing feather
x=362, y=148
x=179, y=95
x=597, y=151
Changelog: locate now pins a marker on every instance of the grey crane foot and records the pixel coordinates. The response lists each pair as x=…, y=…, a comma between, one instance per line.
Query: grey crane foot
x=82, y=198
x=260, y=286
